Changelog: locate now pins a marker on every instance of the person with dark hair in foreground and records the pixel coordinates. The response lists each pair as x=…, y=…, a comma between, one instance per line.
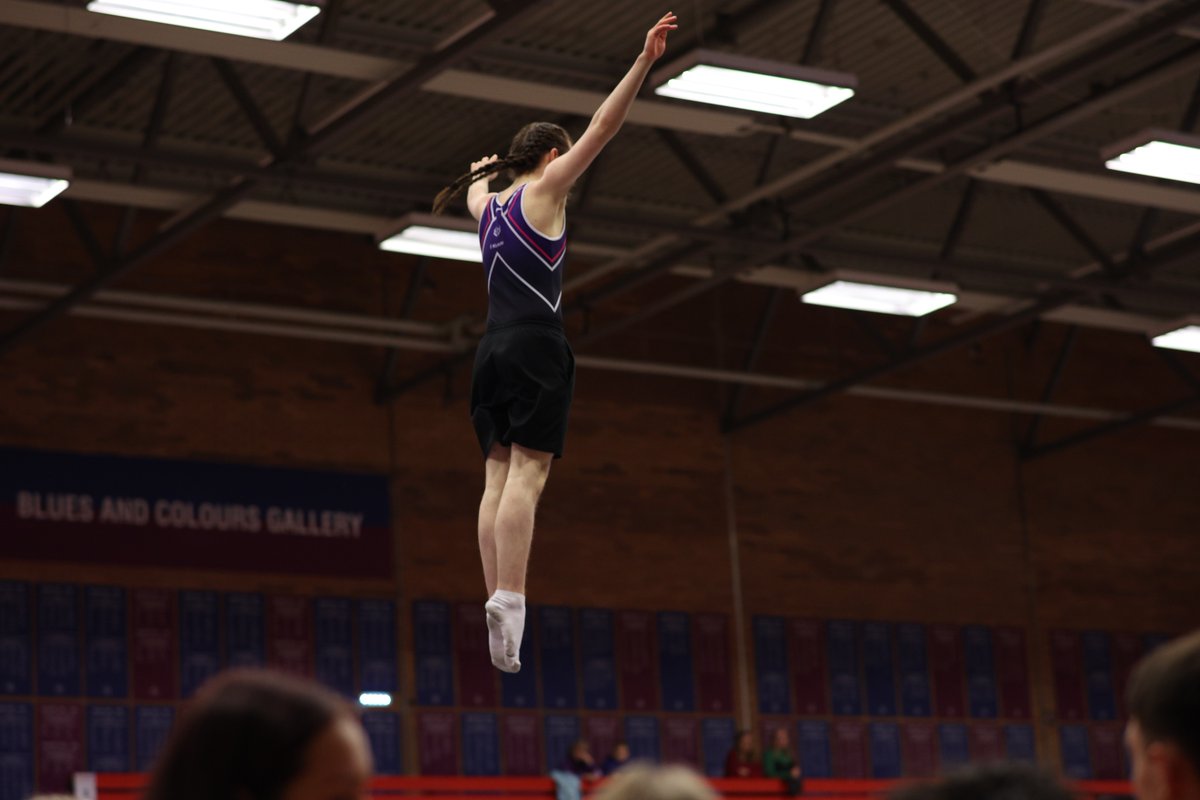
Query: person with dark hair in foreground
x=259, y=735
x=1163, y=734
x=991, y=782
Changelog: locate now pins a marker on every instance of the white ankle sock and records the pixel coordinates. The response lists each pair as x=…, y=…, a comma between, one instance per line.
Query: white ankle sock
x=506, y=613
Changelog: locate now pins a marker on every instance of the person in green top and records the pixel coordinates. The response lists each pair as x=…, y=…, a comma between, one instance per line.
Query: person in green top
x=779, y=762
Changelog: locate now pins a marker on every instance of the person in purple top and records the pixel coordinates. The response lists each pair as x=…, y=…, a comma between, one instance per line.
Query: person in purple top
x=524, y=375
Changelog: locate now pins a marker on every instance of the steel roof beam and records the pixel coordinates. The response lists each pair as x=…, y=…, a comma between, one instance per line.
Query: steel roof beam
x=930, y=38
x=1060, y=363
x=341, y=123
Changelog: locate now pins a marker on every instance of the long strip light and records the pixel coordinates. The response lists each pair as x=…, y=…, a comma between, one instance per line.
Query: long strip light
x=1157, y=153
x=31, y=184
x=902, y=296
x=259, y=19
x=1184, y=335
x=439, y=237
x=753, y=84
x=375, y=699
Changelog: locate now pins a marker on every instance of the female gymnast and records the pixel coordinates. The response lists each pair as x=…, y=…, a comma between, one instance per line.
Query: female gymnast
x=524, y=373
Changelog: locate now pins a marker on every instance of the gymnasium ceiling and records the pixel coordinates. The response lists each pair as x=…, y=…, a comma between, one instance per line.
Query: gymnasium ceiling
x=970, y=153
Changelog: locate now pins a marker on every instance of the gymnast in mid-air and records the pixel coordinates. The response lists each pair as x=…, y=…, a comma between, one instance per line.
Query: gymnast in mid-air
x=524, y=374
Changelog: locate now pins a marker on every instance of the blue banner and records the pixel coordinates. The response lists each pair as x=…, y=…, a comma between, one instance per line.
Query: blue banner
x=717, y=738
x=815, y=760
x=953, y=750
x=108, y=738
x=559, y=686
x=675, y=661
x=333, y=643
x=377, y=646
x=771, y=667
x=383, y=731
x=16, y=640
x=1076, y=756
x=480, y=744
x=641, y=733
x=431, y=646
x=1019, y=744
x=145, y=512
x=879, y=669
x=16, y=751
x=1098, y=673
x=520, y=690
x=152, y=726
x=245, y=642
x=199, y=639
x=105, y=640
x=843, y=669
x=980, y=665
x=915, y=697
x=561, y=733
x=885, y=750
x=58, y=640
x=599, y=659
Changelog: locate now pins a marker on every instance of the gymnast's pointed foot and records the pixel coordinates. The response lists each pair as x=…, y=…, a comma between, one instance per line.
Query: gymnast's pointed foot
x=506, y=618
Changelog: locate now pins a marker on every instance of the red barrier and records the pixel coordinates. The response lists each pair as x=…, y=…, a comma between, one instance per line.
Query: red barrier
x=128, y=786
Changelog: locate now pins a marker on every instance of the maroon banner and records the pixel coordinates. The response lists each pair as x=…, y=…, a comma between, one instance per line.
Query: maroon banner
x=636, y=660
x=849, y=750
x=947, y=671
x=918, y=744
x=714, y=678
x=152, y=633
x=476, y=675
x=60, y=746
x=807, y=653
x=290, y=635
x=521, y=746
x=602, y=733
x=1126, y=650
x=1012, y=672
x=437, y=747
x=1108, y=753
x=986, y=744
x=1066, y=660
x=680, y=743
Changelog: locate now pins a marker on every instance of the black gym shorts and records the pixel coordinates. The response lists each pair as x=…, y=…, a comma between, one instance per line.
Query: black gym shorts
x=521, y=387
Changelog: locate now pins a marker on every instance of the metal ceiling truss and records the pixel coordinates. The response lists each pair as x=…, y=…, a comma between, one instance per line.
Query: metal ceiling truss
x=930, y=38
x=1060, y=363
x=1172, y=67
x=1051, y=300
x=348, y=118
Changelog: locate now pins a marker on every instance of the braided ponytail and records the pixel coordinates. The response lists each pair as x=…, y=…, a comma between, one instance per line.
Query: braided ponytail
x=528, y=147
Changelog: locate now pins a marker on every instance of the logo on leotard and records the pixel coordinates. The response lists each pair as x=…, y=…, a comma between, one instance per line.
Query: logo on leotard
x=495, y=232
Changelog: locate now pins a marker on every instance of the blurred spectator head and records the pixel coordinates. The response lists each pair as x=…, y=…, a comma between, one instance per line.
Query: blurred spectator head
x=991, y=782
x=1163, y=734
x=646, y=782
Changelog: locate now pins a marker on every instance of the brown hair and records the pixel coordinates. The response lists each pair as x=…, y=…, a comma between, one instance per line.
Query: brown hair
x=1164, y=695
x=245, y=735
x=528, y=146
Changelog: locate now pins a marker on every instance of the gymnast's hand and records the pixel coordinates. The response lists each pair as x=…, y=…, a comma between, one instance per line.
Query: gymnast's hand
x=656, y=39
x=483, y=162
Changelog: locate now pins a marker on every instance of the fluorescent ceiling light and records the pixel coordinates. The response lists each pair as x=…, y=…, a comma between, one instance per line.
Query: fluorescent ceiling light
x=1184, y=335
x=903, y=296
x=439, y=237
x=260, y=19
x=1158, y=153
x=31, y=184
x=375, y=699
x=752, y=84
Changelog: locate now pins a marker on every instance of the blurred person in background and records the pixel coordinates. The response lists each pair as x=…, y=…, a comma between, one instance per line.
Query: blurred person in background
x=742, y=761
x=779, y=762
